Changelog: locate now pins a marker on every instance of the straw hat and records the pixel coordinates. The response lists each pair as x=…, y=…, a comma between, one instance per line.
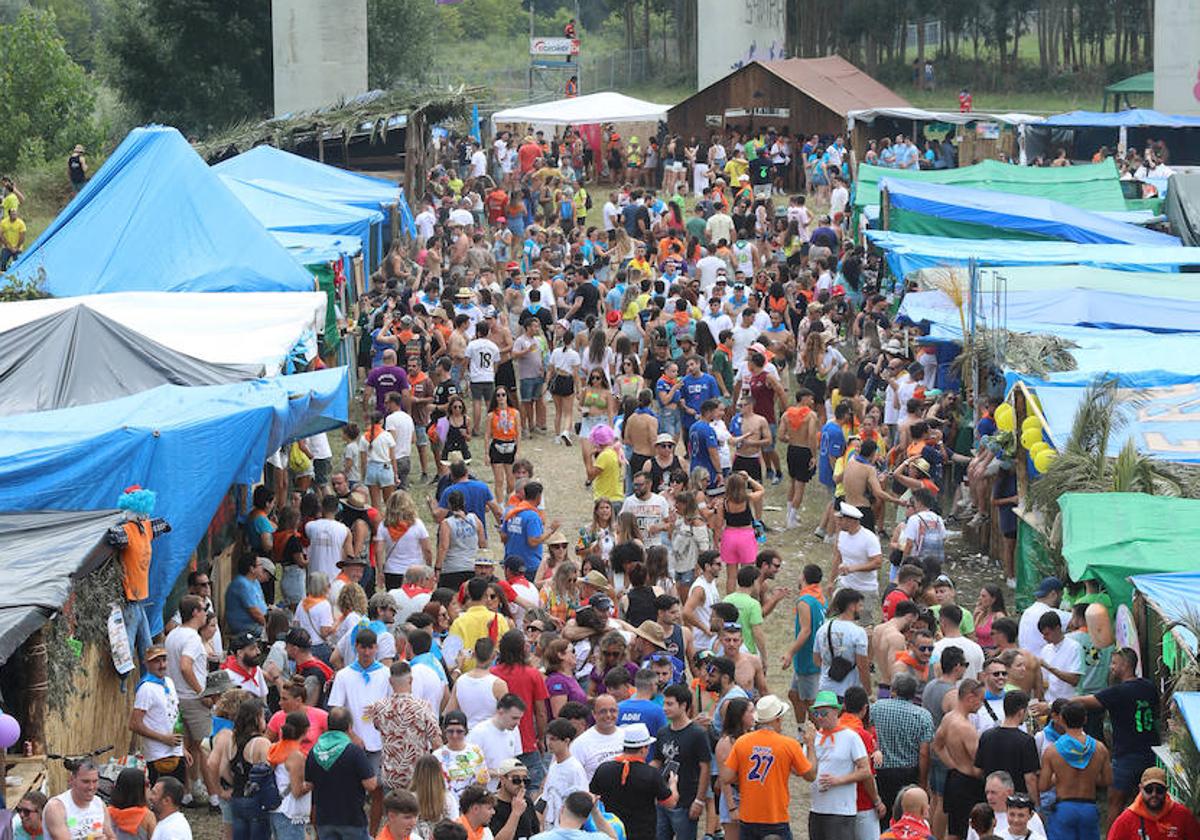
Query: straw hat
x=653, y=633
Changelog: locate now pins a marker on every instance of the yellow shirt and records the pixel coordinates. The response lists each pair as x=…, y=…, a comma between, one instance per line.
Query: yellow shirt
x=455, y=185
x=735, y=169
x=10, y=231
x=10, y=202
x=471, y=626
x=607, y=485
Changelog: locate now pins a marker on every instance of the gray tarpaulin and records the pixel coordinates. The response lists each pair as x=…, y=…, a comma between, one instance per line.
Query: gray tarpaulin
x=1183, y=206
x=40, y=552
x=79, y=357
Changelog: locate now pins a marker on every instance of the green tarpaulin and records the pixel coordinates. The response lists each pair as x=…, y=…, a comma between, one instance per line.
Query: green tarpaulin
x=1142, y=83
x=330, y=336
x=1110, y=536
x=1032, y=562
x=1090, y=186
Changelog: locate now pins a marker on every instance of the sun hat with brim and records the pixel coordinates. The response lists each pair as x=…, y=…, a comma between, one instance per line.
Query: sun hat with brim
x=596, y=579
x=894, y=347
x=769, y=708
x=557, y=538
x=826, y=700
x=155, y=652
x=637, y=736
x=921, y=465
x=652, y=632
x=664, y=438
x=216, y=684
x=510, y=765
x=352, y=561
x=357, y=500
x=612, y=318
x=602, y=435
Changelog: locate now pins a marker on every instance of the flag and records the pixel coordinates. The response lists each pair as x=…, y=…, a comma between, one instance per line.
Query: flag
x=475, y=133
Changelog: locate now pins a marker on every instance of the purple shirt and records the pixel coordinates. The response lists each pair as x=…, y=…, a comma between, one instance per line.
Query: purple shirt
x=563, y=684
x=385, y=379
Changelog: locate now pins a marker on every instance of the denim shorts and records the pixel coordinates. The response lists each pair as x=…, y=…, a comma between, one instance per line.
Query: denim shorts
x=668, y=422
x=379, y=474
x=531, y=389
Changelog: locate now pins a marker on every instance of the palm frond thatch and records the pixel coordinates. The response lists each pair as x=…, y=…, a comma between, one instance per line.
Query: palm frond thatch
x=1035, y=354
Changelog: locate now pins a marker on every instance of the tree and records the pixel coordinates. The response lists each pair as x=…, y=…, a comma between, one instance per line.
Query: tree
x=46, y=99
x=195, y=64
x=402, y=38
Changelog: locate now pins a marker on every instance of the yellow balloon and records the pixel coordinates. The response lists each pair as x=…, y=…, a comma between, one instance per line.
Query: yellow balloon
x=1044, y=459
x=1037, y=449
x=1030, y=422
x=1005, y=419
x=1029, y=437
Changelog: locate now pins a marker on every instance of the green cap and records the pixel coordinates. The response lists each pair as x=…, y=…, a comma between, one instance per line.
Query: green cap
x=826, y=700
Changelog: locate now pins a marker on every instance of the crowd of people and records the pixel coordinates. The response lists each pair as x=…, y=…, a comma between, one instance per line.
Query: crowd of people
x=376, y=670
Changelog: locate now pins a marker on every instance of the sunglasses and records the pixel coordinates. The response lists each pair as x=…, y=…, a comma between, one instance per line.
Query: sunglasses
x=925, y=648
x=665, y=445
x=26, y=812
x=520, y=780
x=995, y=673
x=732, y=625
x=1150, y=788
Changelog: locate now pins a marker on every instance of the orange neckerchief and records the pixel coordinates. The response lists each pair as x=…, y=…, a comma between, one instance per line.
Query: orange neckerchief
x=822, y=735
x=278, y=752
x=777, y=304
x=397, y=532
x=311, y=601
x=908, y=659
x=627, y=759
x=129, y=819
x=669, y=380
x=850, y=721
x=796, y=415
x=813, y=589
x=342, y=577
x=681, y=318
x=520, y=506
x=724, y=348
x=417, y=378
x=373, y=432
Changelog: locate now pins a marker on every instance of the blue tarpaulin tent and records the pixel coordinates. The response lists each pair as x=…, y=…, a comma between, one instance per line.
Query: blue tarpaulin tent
x=1176, y=597
x=310, y=248
x=156, y=218
x=907, y=252
x=339, y=185
x=1131, y=118
x=187, y=444
x=965, y=212
x=280, y=206
x=1189, y=706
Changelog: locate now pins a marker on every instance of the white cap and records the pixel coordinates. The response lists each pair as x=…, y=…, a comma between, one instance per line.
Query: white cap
x=847, y=509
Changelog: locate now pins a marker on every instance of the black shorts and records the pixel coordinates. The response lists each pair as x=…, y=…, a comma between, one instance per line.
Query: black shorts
x=868, y=517
x=562, y=385
x=506, y=375
x=751, y=466
x=638, y=462
x=498, y=456
x=962, y=794
x=800, y=463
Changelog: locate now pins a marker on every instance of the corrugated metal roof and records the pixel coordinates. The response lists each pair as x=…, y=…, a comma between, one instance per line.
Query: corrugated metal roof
x=835, y=83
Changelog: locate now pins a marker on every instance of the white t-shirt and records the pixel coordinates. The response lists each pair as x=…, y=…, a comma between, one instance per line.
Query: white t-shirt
x=318, y=445
x=925, y=525
x=1036, y=826
x=478, y=163
x=350, y=457
x=856, y=549
x=407, y=604
x=562, y=779
x=593, y=748
x=428, y=686
x=161, y=706
x=186, y=641
x=326, y=542
x=743, y=257
x=256, y=685
x=653, y=510
x=849, y=641
x=839, y=197
x=971, y=651
x=385, y=649
x=425, y=222
x=312, y=620
x=399, y=425
x=565, y=361
x=545, y=295
x=482, y=357
x=1066, y=656
x=717, y=323
x=355, y=694
x=379, y=448
x=400, y=554
x=496, y=745
x=836, y=757
x=706, y=269
x=174, y=827
x=1028, y=636
x=704, y=641
x=611, y=215
x=461, y=216
x=740, y=342
x=895, y=399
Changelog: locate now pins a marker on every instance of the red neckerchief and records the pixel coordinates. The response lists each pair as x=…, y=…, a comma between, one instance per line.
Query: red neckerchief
x=669, y=380
x=231, y=663
x=813, y=589
x=627, y=759
x=414, y=589
x=520, y=506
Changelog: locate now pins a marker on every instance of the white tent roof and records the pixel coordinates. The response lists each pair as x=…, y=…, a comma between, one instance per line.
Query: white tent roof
x=221, y=327
x=870, y=114
x=605, y=107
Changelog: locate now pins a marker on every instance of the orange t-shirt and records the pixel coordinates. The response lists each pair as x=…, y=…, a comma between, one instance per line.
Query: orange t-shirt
x=136, y=559
x=763, y=760
x=505, y=423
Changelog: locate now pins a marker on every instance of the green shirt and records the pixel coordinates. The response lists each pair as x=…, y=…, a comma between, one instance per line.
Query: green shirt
x=695, y=227
x=1095, y=664
x=966, y=626
x=749, y=616
x=722, y=368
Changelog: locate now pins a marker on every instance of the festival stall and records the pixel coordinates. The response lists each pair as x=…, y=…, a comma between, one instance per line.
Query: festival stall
x=1082, y=133
x=978, y=136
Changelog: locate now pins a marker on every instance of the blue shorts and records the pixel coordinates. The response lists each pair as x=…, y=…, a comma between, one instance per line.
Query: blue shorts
x=422, y=435
x=937, y=776
x=531, y=389
x=1128, y=769
x=379, y=474
x=668, y=421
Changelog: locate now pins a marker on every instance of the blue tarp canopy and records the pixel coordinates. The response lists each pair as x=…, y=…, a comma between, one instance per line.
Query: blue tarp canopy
x=283, y=207
x=996, y=213
x=1131, y=118
x=187, y=444
x=908, y=252
x=339, y=185
x=310, y=248
x=156, y=218
x=1176, y=597
x=1189, y=707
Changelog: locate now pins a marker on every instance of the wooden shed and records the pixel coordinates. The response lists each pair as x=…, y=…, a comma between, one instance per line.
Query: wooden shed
x=801, y=95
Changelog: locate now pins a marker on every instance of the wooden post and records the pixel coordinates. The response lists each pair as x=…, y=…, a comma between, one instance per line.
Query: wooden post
x=36, y=689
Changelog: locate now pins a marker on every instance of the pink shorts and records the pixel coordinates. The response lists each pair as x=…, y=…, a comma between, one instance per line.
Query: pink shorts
x=738, y=546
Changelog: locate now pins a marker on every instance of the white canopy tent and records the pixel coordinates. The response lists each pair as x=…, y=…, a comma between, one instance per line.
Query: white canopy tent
x=220, y=327
x=605, y=107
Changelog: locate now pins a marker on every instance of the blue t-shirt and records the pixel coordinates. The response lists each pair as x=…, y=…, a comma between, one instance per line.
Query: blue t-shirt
x=648, y=712
x=476, y=495
x=242, y=594
x=700, y=437
x=662, y=387
x=697, y=389
x=613, y=299
x=520, y=528
x=833, y=444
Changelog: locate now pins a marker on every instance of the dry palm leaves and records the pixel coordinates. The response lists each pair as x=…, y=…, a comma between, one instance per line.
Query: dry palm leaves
x=1033, y=354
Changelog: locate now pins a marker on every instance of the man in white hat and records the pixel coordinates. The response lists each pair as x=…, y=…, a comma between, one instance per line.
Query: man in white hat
x=857, y=558
x=760, y=765
x=631, y=788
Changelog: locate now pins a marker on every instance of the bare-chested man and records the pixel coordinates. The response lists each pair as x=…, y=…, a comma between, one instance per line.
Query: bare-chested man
x=888, y=640
x=914, y=659
x=459, y=339
x=1074, y=766
x=800, y=429
x=955, y=744
x=751, y=435
x=766, y=589
x=860, y=478
x=640, y=431
x=748, y=669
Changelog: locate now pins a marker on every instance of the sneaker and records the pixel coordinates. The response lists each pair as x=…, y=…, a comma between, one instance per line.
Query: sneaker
x=565, y=438
x=187, y=800
x=819, y=533
x=829, y=539
x=776, y=478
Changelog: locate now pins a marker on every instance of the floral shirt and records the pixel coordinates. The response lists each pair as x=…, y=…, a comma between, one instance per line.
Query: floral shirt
x=408, y=728
x=463, y=768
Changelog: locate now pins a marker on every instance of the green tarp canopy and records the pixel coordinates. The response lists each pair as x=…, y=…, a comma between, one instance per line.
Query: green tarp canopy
x=1183, y=206
x=1110, y=536
x=1089, y=186
x=1142, y=83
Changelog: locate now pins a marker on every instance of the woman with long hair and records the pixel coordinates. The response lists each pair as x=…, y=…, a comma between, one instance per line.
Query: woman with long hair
x=599, y=537
x=502, y=438
x=247, y=747
x=560, y=594
x=131, y=817
x=401, y=541
x=286, y=757
x=689, y=536
x=637, y=602
x=808, y=370
x=352, y=608
x=596, y=408
x=460, y=539
x=456, y=435
x=561, y=376
x=988, y=607
x=561, y=685
x=556, y=555
x=630, y=382
x=434, y=802
x=597, y=355
x=737, y=718
x=735, y=521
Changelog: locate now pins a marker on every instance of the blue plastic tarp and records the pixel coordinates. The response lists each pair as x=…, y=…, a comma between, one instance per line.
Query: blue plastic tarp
x=1176, y=597
x=189, y=445
x=1132, y=118
x=156, y=218
x=910, y=252
x=281, y=206
x=338, y=185
x=312, y=248
x=1026, y=214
